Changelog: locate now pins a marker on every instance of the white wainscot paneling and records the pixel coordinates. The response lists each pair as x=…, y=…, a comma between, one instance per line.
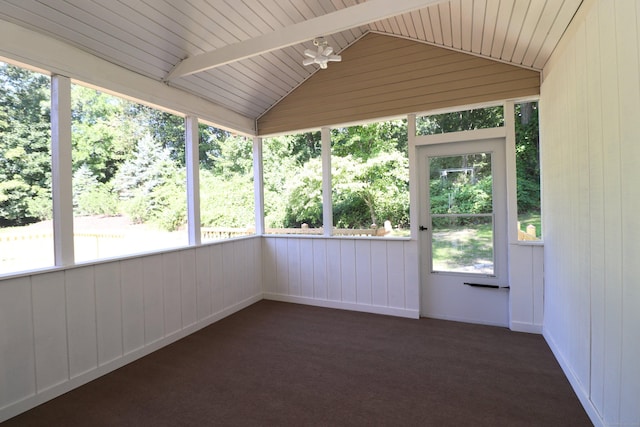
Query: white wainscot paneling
x=188, y=287
x=108, y=312
x=153, y=299
x=61, y=329
x=217, y=278
x=269, y=266
x=363, y=272
x=396, y=274
x=50, y=326
x=81, y=320
x=203, y=282
x=17, y=369
x=229, y=287
x=373, y=275
x=319, y=262
x=132, y=290
x=171, y=291
x=334, y=270
x=526, y=287
x=348, y=270
x=307, y=267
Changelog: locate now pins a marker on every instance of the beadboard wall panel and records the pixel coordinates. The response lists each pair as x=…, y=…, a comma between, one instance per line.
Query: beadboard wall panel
x=374, y=275
x=61, y=329
x=590, y=154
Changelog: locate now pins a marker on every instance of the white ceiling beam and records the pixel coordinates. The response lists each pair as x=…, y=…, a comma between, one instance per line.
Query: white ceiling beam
x=331, y=23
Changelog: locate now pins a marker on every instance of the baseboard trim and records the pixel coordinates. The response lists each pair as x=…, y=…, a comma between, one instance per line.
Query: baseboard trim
x=43, y=396
x=530, y=328
x=582, y=394
x=366, y=308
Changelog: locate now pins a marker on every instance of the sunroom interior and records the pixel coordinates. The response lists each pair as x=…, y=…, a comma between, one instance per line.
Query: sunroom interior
x=238, y=66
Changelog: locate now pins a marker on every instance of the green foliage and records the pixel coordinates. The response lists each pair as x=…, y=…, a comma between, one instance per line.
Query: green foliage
x=25, y=148
x=304, y=197
x=92, y=197
x=527, y=158
x=152, y=186
x=101, y=136
x=479, y=118
x=226, y=202
x=461, y=184
x=129, y=158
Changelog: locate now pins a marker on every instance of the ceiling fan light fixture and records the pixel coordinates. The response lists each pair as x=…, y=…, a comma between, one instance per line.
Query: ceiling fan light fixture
x=322, y=56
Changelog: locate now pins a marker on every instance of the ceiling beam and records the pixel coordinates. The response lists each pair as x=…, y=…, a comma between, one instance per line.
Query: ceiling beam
x=331, y=23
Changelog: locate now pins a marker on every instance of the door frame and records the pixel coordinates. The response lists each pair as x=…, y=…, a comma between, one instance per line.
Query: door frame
x=416, y=141
x=465, y=296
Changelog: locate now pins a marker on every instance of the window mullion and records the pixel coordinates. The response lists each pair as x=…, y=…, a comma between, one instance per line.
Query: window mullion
x=61, y=170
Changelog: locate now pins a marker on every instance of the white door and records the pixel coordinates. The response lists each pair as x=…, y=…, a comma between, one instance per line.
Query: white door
x=463, y=231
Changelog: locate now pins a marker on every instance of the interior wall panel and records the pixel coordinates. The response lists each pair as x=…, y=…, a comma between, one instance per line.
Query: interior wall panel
x=590, y=152
x=628, y=51
x=319, y=288
x=81, y=320
x=171, y=299
x=376, y=275
x=50, y=330
x=334, y=270
x=17, y=372
x=60, y=329
x=132, y=304
x=188, y=288
x=203, y=283
x=108, y=312
x=153, y=286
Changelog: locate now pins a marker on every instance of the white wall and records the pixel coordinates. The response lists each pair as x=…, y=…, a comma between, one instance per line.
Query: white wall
x=63, y=328
x=590, y=105
x=526, y=281
x=375, y=275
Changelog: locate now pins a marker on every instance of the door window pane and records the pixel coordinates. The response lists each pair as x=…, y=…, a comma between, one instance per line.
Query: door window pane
x=462, y=244
x=461, y=184
x=461, y=208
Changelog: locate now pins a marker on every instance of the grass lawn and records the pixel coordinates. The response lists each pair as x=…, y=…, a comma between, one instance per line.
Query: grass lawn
x=464, y=248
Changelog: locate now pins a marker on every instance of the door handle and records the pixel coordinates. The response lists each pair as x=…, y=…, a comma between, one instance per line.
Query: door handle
x=423, y=228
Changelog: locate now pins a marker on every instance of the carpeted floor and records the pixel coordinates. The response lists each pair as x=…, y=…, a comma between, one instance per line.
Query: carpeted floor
x=286, y=364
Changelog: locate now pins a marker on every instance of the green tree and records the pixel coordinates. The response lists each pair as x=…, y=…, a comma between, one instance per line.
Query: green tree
x=152, y=186
x=478, y=118
x=527, y=158
x=102, y=136
x=90, y=196
x=25, y=146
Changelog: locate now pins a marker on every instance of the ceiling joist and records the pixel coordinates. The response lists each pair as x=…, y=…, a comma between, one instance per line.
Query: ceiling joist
x=341, y=20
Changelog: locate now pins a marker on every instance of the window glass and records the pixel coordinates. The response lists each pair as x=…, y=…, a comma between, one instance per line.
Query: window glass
x=528, y=171
x=129, y=176
x=479, y=118
x=226, y=184
x=370, y=179
x=26, y=230
x=461, y=201
x=293, y=184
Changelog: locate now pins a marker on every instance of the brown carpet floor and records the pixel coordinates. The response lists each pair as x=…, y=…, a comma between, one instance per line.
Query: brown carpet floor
x=277, y=364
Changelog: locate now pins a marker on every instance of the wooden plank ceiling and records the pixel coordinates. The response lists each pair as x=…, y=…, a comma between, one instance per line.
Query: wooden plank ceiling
x=152, y=37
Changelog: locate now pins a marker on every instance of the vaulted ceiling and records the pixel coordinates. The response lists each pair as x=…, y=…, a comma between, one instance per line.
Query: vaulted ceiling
x=246, y=55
